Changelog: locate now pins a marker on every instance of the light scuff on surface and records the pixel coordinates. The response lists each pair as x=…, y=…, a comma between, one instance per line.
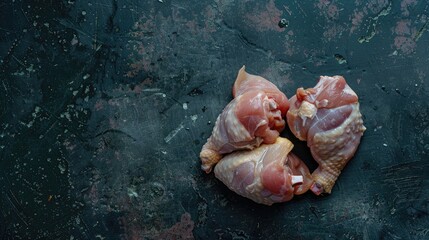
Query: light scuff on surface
x=91, y=90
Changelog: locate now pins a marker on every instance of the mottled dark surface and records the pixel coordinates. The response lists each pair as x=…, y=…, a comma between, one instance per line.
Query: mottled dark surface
x=105, y=104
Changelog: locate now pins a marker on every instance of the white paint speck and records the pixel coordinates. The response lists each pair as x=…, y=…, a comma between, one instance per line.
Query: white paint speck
x=194, y=117
x=132, y=192
x=74, y=41
x=62, y=168
x=30, y=69
x=86, y=76
x=185, y=106
x=384, y=144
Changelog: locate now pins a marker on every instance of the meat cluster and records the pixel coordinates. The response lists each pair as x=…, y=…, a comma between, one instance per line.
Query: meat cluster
x=253, y=117
x=250, y=157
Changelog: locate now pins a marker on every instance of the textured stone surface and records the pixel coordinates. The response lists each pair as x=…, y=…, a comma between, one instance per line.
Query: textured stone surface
x=105, y=105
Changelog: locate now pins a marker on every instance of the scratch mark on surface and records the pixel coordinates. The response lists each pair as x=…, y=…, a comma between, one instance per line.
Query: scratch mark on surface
x=117, y=131
x=19, y=61
x=421, y=31
x=173, y=133
x=300, y=8
x=151, y=90
x=15, y=205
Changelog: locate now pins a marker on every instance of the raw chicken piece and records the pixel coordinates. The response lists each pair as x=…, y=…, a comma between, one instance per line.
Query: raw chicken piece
x=253, y=117
x=328, y=118
x=267, y=174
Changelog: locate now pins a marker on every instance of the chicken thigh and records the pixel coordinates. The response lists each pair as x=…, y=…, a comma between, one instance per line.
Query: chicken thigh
x=267, y=174
x=328, y=118
x=253, y=117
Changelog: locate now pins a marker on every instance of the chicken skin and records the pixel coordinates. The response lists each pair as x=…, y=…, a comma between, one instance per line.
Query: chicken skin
x=328, y=118
x=253, y=117
x=267, y=174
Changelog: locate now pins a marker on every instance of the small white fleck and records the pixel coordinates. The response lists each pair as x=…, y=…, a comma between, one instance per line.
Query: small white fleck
x=416, y=85
x=185, y=106
x=164, y=152
x=194, y=118
x=132, y=192
x=384, y=144
x=74, y=41
x=83, y=13
x=99, y=237
x=62, y=168
x=75, y=93
x=86, y=76
x=30, y=68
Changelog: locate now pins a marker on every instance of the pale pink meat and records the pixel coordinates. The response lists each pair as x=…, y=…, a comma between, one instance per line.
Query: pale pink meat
x=253, y=117
x=328, y=118
x=267, y=174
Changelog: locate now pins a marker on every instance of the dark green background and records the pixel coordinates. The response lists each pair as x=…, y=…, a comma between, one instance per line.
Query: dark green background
x=104, y=107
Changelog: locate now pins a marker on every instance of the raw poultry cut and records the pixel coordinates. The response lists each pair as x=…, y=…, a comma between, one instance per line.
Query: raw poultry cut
x=253, y=117
x=328, y=118
x=267, y=174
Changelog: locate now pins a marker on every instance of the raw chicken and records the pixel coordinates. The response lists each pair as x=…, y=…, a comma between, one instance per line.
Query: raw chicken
x=253, y=117
x=267, y=174
x=328, y=118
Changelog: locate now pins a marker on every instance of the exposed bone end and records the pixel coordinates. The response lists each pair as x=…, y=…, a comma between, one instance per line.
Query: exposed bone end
x=316, y=188
x=297, y=179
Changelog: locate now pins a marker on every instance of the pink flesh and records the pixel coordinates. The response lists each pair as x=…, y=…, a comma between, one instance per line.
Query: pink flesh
x=277, y=172
x=253, y=117
x=248, y=82
x=243, y=176
x=334, y=89
x=271, y=166
x=335, y=102
x=298, y=167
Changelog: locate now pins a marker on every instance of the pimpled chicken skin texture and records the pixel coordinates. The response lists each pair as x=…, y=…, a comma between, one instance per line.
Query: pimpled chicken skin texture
x=328, y=118
x=254, y=116
x=267, y=174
